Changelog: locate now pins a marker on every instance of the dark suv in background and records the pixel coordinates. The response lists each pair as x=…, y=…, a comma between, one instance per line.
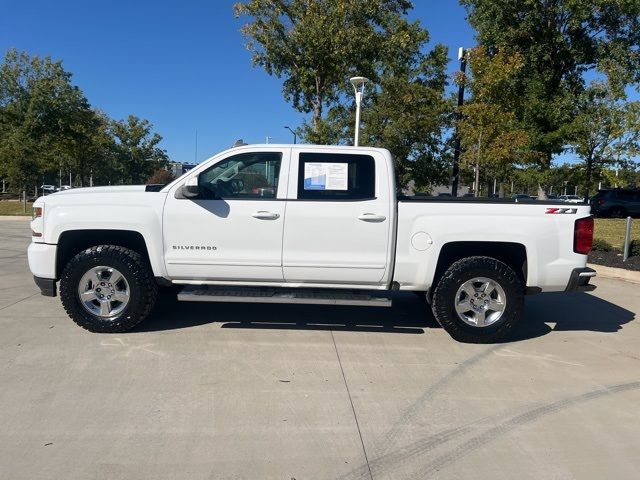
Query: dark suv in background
x=618, y=202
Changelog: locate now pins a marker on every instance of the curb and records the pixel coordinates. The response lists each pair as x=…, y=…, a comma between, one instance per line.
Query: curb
x=15, y=217
x=617, y=273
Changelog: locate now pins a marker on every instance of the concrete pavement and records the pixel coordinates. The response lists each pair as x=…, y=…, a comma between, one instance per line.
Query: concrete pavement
x=241, y=391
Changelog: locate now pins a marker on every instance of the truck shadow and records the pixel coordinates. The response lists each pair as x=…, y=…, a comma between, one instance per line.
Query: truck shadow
x=410, y=314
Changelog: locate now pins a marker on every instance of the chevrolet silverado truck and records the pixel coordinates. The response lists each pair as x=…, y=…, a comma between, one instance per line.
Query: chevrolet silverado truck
x=303, y=224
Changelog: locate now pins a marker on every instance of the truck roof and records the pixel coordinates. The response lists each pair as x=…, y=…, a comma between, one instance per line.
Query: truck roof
x=310, y=146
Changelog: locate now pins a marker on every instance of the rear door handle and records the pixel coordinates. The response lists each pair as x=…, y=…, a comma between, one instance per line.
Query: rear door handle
x=262, y=215
x=372, y=217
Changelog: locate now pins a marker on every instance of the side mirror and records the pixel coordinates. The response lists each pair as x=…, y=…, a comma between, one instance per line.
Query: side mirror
x=191, y=189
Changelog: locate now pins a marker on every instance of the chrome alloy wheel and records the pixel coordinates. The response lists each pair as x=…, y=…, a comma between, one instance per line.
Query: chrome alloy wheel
x=480, y=302
x=104, y=292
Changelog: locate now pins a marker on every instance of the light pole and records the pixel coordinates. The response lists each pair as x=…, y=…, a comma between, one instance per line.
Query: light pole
x=293, y=133
x=358, y=87
x=455, y=171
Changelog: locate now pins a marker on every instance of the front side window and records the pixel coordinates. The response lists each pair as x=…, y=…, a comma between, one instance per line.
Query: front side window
x=246, y=175
x=336, y=176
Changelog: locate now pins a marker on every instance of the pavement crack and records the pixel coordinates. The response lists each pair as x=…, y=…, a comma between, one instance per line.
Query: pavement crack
x=527, y=417
x=353, y=409
x=18, y=301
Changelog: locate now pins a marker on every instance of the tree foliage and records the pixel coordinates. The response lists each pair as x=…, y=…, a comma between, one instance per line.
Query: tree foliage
x=606, y=130
x=316, y=45
x=47, y=126
x=559, y=40
x=136, y=149
x=161, y=176
x=491, y=137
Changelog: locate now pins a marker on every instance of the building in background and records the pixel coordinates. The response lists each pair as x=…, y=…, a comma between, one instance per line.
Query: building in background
x=180, y=168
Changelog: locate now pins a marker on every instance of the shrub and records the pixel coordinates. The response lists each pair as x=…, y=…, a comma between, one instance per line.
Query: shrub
x=161, y=176
x=634, y=248
x=600, y=245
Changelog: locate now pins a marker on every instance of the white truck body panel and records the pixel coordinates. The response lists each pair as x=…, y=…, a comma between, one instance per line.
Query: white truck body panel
x=547, y=238
x=248, y=244
x=334, y=242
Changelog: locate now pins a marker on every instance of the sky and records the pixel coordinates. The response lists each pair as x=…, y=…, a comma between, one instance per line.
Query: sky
x=181, y=65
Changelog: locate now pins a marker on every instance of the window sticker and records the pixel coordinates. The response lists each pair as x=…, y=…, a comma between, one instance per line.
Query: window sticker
x=326, y=176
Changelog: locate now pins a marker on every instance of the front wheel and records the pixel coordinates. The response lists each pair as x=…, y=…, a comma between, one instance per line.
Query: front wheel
x=107, y=289
x=478, y=300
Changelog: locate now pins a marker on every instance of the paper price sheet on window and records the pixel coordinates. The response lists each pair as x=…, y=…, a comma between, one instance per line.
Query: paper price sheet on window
x=326, y=176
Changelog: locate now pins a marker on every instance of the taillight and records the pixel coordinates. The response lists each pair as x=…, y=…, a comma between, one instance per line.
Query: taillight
x=583, y=235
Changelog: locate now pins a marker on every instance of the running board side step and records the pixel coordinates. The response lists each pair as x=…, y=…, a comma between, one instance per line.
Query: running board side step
x=213, y=293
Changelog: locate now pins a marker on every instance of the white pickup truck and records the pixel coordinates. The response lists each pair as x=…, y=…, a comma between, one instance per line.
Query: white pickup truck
x=304, y=224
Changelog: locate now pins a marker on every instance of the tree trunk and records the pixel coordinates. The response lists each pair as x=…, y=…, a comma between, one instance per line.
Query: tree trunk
x=587, y=176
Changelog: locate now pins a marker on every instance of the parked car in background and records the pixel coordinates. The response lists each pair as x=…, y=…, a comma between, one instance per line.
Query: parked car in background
x=617, y=203
x=47, y=189
x=571, y=198
x=519, y=197
x=63, y=188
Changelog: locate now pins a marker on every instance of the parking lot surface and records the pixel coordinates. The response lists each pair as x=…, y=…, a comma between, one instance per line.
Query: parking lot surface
x=246, y=391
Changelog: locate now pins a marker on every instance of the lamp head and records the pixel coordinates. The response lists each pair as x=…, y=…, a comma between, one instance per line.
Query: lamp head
x=358, y=83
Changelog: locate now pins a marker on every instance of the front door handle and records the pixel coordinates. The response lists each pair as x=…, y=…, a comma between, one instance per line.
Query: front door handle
x=262, y=215
x=372, y=217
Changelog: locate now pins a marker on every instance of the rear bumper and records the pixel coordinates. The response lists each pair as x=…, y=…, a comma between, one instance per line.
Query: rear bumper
x=47, y=286
x=579, y=280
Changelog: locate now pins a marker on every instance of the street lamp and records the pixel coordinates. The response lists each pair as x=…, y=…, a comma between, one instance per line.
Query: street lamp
x=294, y=134
x=358, y=87
x=455, y=171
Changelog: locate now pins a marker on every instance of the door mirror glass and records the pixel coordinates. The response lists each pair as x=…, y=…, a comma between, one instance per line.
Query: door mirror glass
x=191, y=188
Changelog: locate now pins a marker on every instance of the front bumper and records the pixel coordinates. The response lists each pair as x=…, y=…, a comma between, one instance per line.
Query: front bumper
x=47, y=286
x=42, y=259
x=579, y=280
x=42, y=263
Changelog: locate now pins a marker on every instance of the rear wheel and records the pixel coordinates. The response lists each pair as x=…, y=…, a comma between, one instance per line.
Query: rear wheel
x=478, y=300
x=617, y=212
x=107, y=289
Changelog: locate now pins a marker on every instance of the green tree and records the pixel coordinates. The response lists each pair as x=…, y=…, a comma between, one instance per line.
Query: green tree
x=316, y=45
x=405, y=111
x=605, y=131
x=491, y=137
x=559, y=41
x=38, y=109
x=136, y=148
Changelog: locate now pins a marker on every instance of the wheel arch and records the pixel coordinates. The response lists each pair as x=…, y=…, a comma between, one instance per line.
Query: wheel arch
x=72, y=242
x=512, y=254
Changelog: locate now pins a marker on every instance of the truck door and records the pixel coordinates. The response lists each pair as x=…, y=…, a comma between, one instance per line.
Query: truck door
x=339, y=215
x=233, y=230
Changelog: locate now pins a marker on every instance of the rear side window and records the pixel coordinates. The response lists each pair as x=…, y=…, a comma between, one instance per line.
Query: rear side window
x=336, y=176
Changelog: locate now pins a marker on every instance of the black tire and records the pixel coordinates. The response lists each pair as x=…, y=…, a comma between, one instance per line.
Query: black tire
x=134, y=268
x=617, y=212
x=444, y=298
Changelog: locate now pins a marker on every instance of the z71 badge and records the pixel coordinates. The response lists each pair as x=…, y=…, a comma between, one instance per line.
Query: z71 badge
x=562, y=210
